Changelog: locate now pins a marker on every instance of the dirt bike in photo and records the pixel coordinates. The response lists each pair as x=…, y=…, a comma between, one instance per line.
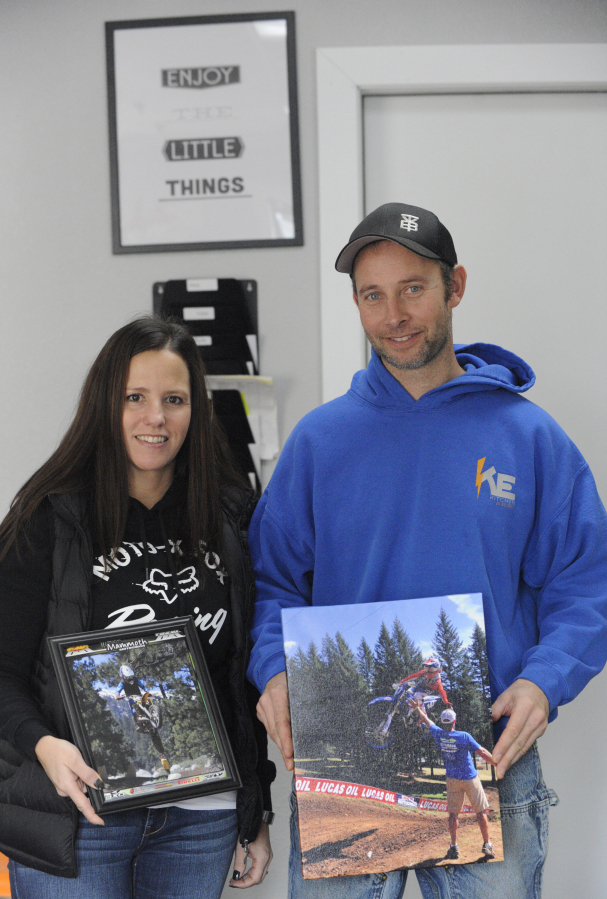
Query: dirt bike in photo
x=148, y=713
x=381, y=712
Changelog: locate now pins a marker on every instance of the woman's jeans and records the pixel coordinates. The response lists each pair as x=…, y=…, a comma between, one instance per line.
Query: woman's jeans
x=147, y=853
x=524, y=801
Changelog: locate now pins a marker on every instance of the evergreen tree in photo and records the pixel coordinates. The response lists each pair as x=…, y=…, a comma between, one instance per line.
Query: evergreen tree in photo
x=449, y=649
x=107, y=740
x=366, y=663
x=477, y=653
x=297, y=674
x=296, y=671
x=388, y=666
x=330, y=691
x=409, y=655
x=191, y=734
x=339, y=692
x=467, y=701
x=479, y=665
x=351, y=695
x=318, y=718
x=306, y=673
x=348, y=672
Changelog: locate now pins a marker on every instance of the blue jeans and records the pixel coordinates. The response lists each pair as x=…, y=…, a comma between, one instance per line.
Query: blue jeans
x=166, y=853
x=524, y=801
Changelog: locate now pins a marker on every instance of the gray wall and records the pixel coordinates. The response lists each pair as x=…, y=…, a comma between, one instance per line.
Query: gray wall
x=62, y=292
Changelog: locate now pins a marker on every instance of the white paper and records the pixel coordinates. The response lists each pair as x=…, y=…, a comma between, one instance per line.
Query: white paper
x=198, y=313
x=262, y=411
x=197, y=285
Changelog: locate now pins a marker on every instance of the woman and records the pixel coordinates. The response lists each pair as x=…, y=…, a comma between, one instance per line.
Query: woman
x=142, y=475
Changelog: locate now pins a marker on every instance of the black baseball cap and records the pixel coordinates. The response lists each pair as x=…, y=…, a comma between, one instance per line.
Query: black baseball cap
x=411, y=226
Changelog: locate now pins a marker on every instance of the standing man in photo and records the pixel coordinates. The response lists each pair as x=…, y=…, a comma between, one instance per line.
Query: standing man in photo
x=433, y=476
x=456, y=748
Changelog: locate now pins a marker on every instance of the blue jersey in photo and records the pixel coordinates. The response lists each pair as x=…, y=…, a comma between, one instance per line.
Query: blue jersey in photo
x=455, y=747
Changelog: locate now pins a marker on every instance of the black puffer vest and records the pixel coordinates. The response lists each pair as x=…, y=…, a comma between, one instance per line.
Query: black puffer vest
x=37, y=826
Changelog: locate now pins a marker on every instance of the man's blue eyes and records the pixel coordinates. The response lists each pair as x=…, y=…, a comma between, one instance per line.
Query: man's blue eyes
x=413, y=289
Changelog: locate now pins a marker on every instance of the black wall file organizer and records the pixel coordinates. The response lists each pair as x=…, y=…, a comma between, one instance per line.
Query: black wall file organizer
x=221, y=314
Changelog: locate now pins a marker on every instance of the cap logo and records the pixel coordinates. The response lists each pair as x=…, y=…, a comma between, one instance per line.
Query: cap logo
x=409, y=222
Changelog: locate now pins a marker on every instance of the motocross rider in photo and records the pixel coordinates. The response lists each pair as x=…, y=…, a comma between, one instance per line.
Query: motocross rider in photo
x=133, y=690
x=424, y=682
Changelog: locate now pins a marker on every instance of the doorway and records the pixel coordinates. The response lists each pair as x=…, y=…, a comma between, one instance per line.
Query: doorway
x=520, y=181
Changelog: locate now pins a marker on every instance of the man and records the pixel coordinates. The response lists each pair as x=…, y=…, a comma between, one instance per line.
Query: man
x=456, y=747
x=427, y=680
x=433, y=476
x=132, y=689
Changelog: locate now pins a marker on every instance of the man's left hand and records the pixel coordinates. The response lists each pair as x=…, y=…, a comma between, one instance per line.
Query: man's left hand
x=528, y=709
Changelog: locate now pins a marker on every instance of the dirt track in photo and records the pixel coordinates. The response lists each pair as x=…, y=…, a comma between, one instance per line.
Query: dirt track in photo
x=338, y=833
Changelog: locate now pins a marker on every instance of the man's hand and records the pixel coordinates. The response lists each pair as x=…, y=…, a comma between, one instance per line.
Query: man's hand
x=485, y=755
x=273, y=712
x=69, y=773
x=528, y=709
x=419, y=709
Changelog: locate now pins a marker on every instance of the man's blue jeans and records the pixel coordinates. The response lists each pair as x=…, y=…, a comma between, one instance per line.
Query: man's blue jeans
x=163, y=853
x=524, y=800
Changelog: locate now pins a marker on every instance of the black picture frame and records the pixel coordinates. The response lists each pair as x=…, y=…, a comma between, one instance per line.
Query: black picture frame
x=277, y=202
x=177, y=709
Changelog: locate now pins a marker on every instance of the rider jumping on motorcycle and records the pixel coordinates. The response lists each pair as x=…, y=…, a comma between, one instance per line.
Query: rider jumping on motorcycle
x=429, y=681
x=132, y=689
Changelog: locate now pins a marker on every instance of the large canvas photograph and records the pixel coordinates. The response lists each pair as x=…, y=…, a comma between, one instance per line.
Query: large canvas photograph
x=391, y=720
x=143, y=714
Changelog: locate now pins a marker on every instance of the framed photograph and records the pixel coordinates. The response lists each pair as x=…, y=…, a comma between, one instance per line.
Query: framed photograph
x=392, y=732
x=143, y=713
x=204, y=141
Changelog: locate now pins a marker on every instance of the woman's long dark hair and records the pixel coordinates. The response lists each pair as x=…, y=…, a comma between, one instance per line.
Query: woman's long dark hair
x=92, y=455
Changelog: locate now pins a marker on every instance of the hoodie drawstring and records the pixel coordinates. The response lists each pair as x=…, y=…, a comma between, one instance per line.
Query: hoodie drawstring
x=170, y=555
x=144, y=543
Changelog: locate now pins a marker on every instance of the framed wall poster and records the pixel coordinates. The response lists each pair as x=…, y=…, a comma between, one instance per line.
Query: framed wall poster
x=374, y=780
x=143, y=713
x=204, y=142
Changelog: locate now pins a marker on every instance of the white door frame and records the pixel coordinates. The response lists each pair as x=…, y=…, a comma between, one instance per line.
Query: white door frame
x=344, y=76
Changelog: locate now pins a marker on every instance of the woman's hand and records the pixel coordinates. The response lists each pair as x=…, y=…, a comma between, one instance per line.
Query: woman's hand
x=260, y=855
x=69, y=773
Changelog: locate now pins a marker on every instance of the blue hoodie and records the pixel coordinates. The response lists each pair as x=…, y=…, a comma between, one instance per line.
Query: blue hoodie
x=471, y=489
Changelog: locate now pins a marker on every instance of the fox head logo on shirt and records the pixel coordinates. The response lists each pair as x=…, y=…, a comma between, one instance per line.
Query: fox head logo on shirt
x=500, y=485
